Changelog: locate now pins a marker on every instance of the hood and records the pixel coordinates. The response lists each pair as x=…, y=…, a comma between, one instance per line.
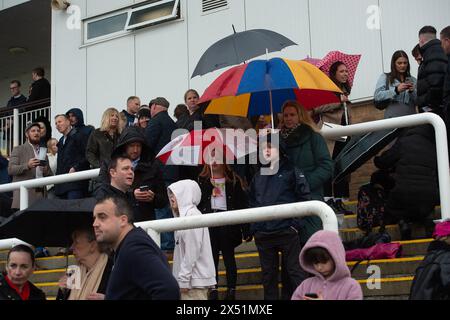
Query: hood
x=130, y=135
x=330, y=241
x=188, y=195
x=78, y=114
x=431, y=43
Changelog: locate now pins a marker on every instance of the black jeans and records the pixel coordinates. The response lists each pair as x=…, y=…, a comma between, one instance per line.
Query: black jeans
x=269, y=245
x=220, y=243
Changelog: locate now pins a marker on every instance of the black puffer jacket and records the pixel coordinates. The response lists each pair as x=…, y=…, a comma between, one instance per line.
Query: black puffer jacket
x=146, y=173
x=432, y=279
x=8, y=293
x=447, y=85
x=413, y=159
x=430, y=81
x=236, y=200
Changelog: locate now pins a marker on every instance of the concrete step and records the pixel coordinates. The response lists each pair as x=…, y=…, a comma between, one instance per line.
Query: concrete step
x=388, y=287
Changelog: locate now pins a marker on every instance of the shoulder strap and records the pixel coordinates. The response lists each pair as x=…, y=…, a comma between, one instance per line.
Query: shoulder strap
x=387, y=81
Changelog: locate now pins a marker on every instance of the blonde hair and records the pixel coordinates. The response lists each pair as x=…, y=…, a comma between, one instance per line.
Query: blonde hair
x=304, y=116
x=106, y=119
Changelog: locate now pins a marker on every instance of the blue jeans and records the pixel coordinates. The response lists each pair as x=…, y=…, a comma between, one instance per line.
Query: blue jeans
x=167, y=238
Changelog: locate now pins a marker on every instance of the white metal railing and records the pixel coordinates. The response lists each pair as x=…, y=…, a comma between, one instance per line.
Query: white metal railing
x=404, y=122
x=12, y=127
x=284, y=211
x=361, y=128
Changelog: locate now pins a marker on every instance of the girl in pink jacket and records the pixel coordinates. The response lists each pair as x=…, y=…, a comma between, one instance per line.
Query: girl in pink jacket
x=324, y=257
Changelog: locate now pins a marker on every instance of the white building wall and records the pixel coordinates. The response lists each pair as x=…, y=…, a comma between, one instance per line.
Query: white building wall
x=158, y=60
x=5, y=4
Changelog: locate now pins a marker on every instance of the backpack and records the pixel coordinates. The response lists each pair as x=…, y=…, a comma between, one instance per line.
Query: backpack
x=383, y=104
x=370, y=208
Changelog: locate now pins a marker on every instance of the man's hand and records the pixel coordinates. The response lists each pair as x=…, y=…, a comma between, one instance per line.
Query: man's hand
x=33, y=163
x=184, y=290
x=96, y=296
x=72, y=170
x=144, y=196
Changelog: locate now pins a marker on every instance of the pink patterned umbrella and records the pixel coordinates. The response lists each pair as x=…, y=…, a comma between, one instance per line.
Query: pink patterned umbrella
x=350, y=60
x=313, y=61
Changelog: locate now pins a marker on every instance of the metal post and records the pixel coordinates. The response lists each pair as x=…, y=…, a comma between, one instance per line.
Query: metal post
x=16, y=127
x=155, y=235
x=23, y=198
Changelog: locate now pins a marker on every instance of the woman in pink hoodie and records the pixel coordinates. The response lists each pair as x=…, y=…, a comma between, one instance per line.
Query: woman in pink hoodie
x=324, y=257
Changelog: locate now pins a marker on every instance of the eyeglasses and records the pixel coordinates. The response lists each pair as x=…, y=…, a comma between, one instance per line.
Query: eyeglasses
x=12, y=88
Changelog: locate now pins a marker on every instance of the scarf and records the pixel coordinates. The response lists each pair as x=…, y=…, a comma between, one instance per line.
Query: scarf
x=90, y=280
x=25, y=294
x=285, y=132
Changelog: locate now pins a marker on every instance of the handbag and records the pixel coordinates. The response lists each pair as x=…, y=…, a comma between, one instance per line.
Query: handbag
x=383, y=104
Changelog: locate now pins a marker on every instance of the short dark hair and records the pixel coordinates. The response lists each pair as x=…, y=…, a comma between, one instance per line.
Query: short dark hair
x=180, y=110
x=446, y=32
x=89, y=233
x=122, y=206
x=428, y=30
x=22, y=248
x=416, y=51
x=39, y=71
x=132, y=98
x=115, y=159
x=317, y=255
x=16, y=82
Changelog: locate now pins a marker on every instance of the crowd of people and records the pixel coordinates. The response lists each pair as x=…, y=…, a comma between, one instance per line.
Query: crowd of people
x=134, y=186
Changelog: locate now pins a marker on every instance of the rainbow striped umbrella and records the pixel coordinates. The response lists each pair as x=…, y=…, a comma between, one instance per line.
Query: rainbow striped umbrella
x=262, y=86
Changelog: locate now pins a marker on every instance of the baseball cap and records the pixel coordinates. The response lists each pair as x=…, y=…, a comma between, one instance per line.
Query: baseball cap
x=32, y=124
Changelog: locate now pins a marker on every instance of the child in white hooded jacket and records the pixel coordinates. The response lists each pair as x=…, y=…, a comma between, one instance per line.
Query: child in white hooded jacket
x=193, y=264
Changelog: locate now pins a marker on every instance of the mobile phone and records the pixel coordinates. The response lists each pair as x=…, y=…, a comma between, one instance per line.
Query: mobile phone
x=42, y=163
x=311, y=295
x=144, y=188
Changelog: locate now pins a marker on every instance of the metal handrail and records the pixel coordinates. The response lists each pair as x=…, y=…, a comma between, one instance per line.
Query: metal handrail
x=410, y=121
x=284, y=211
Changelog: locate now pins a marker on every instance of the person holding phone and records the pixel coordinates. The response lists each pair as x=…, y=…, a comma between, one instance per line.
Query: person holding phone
x=397, y=88
x=24, y=165
x=324, y=257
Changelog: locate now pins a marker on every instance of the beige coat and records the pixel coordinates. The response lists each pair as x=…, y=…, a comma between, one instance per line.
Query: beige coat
x=18, y=169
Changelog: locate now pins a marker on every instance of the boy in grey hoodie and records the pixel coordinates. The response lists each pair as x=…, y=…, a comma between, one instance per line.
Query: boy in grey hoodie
x=193, y=264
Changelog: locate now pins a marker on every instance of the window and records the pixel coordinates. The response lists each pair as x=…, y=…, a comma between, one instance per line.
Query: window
x=213, y=5
x=107, y=26
x=153, y=13
x=126, y=20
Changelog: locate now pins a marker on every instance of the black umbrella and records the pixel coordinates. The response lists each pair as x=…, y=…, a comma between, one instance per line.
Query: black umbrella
x=240, y=47
x=361, y=149
x=49, y=222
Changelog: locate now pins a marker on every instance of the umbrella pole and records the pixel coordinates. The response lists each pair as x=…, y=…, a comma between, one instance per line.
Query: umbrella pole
x=271, y=110
x=346, y=114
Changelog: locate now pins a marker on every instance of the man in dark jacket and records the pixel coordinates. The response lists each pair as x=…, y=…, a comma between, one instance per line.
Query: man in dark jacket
x=432, y=279
x=158, y=134
x=431, y=75
x=148, y=186
x=413, y=160
x=285, y=185
x=16, y=97
x=121, y=175
x=70, y=159
x=76, y=119
x=445, y=41
x=141, y=271
x=40, y=88
x=133, y=105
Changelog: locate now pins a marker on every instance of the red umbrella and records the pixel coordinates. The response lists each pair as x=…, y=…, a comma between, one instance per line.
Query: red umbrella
x=350, y=60
x=195, y=148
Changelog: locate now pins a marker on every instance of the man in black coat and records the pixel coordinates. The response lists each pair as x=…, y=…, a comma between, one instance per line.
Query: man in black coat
x=148, y=186
x=430, y=82
x=158, y=134
x=140, y=271
x=445, y=42
x=70, y=159
x=40, y=88
x=413, y=160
